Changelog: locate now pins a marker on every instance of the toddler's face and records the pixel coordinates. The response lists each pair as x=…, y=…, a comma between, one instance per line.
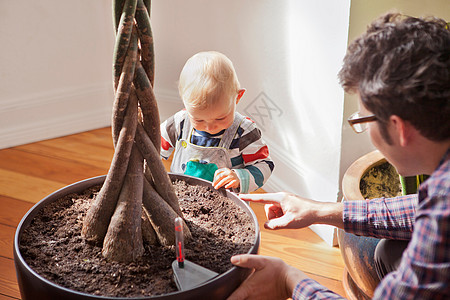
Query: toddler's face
x=214, y=119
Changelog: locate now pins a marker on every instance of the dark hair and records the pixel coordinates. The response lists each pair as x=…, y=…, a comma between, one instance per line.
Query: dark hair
x=401, y=66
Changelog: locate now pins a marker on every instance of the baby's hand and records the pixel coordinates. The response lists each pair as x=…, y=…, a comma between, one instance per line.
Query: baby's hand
x=225, y=178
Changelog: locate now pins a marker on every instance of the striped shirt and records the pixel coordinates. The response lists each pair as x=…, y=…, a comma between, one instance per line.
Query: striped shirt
x=248, y=152
x=424, y=218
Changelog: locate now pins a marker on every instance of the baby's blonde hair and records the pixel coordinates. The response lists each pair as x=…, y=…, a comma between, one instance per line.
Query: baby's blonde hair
x=206, y=78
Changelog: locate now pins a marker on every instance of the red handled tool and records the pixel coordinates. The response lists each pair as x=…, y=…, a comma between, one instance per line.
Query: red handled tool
x=179, y=241
x=186, y=273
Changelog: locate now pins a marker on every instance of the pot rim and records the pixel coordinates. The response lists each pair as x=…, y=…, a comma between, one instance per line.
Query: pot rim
x=89, y=182
x=353, y=175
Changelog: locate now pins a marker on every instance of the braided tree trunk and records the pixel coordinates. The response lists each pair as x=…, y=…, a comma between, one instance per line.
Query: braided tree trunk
x=137, y=200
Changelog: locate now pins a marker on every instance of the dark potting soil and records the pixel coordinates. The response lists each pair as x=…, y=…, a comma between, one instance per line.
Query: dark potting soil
x=54, y=248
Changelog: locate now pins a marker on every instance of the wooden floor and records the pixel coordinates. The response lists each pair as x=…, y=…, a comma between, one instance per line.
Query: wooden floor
x=30, y=172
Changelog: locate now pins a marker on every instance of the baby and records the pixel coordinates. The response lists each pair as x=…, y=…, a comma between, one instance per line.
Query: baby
x=211, y=140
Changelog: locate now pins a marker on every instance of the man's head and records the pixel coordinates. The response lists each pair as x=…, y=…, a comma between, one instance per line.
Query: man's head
x=401, y=66
x=210, y=91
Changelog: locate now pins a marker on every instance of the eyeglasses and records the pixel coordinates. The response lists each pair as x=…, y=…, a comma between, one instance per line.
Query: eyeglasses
x=359, y=123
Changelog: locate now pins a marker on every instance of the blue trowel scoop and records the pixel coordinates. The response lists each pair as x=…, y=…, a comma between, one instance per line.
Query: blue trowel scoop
x=187, y=274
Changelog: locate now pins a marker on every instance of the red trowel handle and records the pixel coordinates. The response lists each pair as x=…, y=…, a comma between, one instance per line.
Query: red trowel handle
x=179, y=241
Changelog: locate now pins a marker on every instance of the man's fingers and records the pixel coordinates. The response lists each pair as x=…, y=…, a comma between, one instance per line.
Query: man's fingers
x=269, y=198
x=279, y=223
x=273, y=211
x=245, y=290
x=249, y=261
x=266, y=279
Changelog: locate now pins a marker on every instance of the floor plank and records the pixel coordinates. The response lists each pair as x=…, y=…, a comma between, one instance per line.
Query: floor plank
x=6, y=240
x=100, y=137
x=8, y=281
x=12, y=210
x=25, y=187
x=6, y=297
x=304, y=257
x=74, y=150
x=52, y=168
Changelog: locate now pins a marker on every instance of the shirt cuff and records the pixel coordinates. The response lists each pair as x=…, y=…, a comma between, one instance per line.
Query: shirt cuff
x=355, y=216
x=244, y=180
x=311, y=289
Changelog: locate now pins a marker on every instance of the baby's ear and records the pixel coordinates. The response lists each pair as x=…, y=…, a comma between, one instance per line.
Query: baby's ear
x=240, y=94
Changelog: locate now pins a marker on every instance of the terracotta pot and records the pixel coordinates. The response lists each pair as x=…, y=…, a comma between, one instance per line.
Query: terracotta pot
x=360, y=277
x=33, y=286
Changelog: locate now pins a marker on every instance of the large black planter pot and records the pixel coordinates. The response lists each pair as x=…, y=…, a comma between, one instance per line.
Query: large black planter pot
x=33, y=286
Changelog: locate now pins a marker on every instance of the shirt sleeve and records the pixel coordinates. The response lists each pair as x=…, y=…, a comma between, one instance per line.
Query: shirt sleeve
x=391, y=218
x=311, y=289
x=256, y=166
x=170, y=132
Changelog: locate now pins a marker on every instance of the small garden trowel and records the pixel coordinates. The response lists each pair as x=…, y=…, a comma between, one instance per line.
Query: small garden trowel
x=186, y=273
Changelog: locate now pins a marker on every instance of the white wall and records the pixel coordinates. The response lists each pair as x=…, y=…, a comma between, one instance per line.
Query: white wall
x=287, y=55
x=318, y=43
x=55, y=68
x=248, y=32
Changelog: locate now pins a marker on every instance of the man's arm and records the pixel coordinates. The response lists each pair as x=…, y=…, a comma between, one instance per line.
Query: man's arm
x=290, y=211
x=391, y=218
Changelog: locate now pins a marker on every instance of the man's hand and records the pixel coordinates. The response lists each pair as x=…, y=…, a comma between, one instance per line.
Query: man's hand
x=290, y=211
x=225, y=178
x=271, y=278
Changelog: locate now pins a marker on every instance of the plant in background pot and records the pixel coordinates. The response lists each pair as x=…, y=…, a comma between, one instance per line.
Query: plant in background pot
x=136, y=204
x=370, y=176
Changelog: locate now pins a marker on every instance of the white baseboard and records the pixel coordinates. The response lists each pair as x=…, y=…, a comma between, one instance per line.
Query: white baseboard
x=39, y=116
x=55, y=113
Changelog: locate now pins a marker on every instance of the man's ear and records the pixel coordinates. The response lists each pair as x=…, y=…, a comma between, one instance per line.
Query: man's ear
x=240, y=94
x=403, y=130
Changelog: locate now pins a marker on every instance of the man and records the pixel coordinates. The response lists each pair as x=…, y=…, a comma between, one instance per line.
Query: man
x=400, y=68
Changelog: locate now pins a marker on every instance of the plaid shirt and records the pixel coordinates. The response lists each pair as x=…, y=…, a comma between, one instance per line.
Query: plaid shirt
x=424, y=271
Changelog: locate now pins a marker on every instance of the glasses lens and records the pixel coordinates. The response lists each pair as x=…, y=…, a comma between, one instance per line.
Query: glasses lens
x=360, y=127
x=357, y=127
